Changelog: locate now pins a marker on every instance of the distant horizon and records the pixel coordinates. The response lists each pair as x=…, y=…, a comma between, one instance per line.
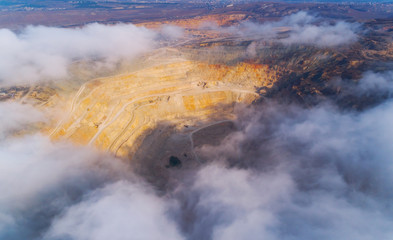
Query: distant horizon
x=5, y=2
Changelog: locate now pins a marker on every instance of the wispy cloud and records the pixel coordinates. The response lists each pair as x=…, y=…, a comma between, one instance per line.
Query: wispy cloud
x=15, y=116
x=372, y=82
x=298, y=28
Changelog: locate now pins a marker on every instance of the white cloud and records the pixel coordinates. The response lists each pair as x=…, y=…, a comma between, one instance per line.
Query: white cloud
x=42, y=53
x=39, y=177
x=123, y=210
x=243, y=203
x=71, y=191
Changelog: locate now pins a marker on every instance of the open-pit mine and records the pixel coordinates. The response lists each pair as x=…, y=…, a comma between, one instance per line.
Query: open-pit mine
x=196, y=120
x=114, y=113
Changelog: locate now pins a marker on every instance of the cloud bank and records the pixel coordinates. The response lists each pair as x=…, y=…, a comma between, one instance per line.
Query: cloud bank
x=45, y=53
x=123, y=210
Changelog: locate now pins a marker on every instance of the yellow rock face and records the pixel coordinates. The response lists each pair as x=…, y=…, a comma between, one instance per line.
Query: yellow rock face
x=113, y=113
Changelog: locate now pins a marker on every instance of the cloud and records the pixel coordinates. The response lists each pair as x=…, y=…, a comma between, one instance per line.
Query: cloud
x=122, y=210
x=61, y=191
x=376, y=82
x=40, y=178
x=298, y=28
x=15, y=115
x=45, y=53
x=172, y=32
x=299, y=174
x=324, y=35
x=371, y=89
x=56, y=190
x=236, y=203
